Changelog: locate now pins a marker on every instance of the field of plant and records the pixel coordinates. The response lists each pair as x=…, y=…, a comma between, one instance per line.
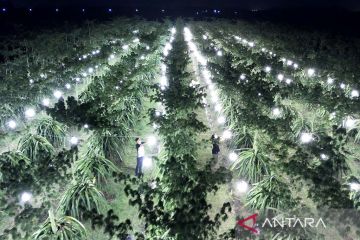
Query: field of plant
x=284, y=103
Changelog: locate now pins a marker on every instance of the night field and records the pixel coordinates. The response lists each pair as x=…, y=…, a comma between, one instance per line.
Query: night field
x=181, y=121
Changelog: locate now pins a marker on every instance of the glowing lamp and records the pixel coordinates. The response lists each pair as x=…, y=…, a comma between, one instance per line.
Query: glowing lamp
x=11, y=124
x=74, y=141
x=57, y=94
x=306, y=137
x=46, y=102
x=30, y=113
x=233, y=156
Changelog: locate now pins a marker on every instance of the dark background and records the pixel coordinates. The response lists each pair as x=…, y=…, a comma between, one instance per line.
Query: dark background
x=341, y=17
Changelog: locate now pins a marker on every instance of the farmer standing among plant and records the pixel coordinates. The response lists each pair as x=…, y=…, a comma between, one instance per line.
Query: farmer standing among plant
x=140, y=153
x=215, y=146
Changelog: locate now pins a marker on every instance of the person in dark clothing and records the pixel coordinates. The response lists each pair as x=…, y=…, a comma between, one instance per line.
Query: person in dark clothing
x=140, y=153
x=215, y=146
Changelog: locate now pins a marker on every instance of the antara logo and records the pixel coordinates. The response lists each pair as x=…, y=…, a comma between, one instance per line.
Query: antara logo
x=250, y=228
x=281, y=222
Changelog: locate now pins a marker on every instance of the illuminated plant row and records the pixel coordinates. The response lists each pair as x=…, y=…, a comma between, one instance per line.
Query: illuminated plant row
x=92, y=160
x=275, y=143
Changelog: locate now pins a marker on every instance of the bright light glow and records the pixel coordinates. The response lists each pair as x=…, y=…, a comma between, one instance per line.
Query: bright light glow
x=311, y=72
x=241, y=186
x=296, y=65
x=251, y=44
x=233, y=156
x=276, y=111
x=219, y=53
x=11, y=124
x=147, y=47
x=354, y=186
x=288, y=81
x=221, y=120
x=354, y=93
x=163, y=81
x=157, y=113
x=350, y=123
x=151, y=141
x=227, y=134
x=280, y=77
x=90, y=70
x=46, y=102
x=155, y=126
x=86, y=126
x=267, y=69
x=112, y=56
x=77, y=79
x=25, y=197
x=204, y=37
x=147, y=162
x=218, y=107
x=330, y=80
x=173, y=30
x=125, y=47
x=74, y=140
x=67, y=86
x=289, y=62
x=242, y=76
x=58, y=94
x=30, y=112
x=342, y=86
x=323, y=156
x=306, y=137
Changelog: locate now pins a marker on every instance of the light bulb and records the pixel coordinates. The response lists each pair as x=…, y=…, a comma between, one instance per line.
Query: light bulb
x=342, y=86
x=58, y=94
x=311, y=72
x=241, y=186
x=288, y=81
x=68, y=86
x=267, y=69
x=233, y=156
x=349, y=123
x=204, y=37
x=46, y=102
x=289, y=62
x=280, y=77
x=11, y=124
x=323, y=156
x=295, y=65
x=227, y=134
x=157, y=113
x=219, y=53
x=90, y=70
x=173, y=30
x=25, y=197
x=242, y=76
x=74, y=140
x=330, y=80
x=276, y=111
x=251, y=44
x=306, y=137
x=86, y=126
x=354, y=93
x=29, y=113
x=221, y=120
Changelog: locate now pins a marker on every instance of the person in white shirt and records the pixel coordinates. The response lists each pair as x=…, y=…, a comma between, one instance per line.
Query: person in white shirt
x=140, y=153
